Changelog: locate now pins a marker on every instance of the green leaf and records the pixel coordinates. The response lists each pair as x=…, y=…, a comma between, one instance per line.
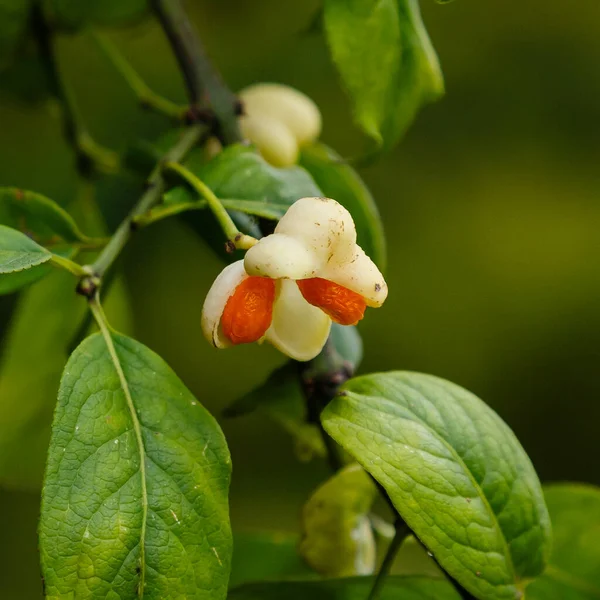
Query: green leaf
x=356, y=588
x=280, y=398
x=338, y=180
x=44, y=221
x=135, y=495
x=14, y=15
x=266, y=555
x=239, y=172
x=574, y=569
x=337, y=537
x=386, y=61
x=18, y=252
x=454, y=471
x=75, y=14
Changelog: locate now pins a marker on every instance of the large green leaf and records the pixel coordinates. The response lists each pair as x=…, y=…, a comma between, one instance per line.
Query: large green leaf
x=357, y=588
x=454, y=471
x=338, y=180
x=74, y=14
x=18, y=252
x=386, y=62
x=280, y=399
x=574, y=569
x=337, y=539
x=266, y=555
x=135, y=495
x=13, y=23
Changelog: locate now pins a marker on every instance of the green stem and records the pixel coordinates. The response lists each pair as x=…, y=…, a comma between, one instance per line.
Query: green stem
x=204, y=85
x=152, y=196
x=235, y=237
x=69, y=265
x=163, y=212
x=146, y=97
x=402, y=532
x=90, y=155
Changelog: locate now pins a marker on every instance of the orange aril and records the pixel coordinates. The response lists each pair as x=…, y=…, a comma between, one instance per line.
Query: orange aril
x=249, y=311
x=343, y=305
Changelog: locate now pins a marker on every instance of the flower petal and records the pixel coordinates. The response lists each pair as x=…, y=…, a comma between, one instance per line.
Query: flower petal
x=324, y=225
x=281, y=256
x=221, y=290
x=298, y=329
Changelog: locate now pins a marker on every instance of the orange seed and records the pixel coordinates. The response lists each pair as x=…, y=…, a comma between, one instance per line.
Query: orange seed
x=249, y=311
x=343, y=305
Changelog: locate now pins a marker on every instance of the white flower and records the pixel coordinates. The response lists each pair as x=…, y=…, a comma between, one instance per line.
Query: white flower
x=294, y=282
x=279, y=120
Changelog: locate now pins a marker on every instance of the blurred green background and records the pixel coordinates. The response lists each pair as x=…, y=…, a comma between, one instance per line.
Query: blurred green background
x=492, y=209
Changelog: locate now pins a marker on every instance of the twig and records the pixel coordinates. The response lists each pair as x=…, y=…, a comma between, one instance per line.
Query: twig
x=402, y=532
x=146, y=97
x=320, y=380
x=211, y=101
x=90, y=156
x=155, y=187
x=236, y=240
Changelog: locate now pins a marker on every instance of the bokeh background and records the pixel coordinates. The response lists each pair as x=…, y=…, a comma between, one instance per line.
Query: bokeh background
x=492, y=210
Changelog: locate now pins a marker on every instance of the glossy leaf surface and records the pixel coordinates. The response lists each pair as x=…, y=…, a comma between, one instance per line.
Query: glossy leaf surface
x=454, y=471
x=135, y=496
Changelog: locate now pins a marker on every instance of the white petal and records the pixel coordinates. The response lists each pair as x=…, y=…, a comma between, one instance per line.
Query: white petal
x=324, y=225
x=221, y=290
x=360, y=274
x=289, y=106
x=274, y=140
x=280, y=256
x=298, y=329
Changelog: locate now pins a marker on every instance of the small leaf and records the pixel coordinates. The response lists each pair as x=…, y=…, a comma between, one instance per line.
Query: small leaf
x=14, y=15
x=18, y=252
x=386, y=62
x=337, y=537
x=135, y=495
x=266, y=555
x=356, y=588
x=574, y=569
x=280, y=398
x=44, y=221
x=454, y=471
x=75, y=14
x=340, y=181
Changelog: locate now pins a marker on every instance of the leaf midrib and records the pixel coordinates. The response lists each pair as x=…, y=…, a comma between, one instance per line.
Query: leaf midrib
x=137, y=427
x=459, y=459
